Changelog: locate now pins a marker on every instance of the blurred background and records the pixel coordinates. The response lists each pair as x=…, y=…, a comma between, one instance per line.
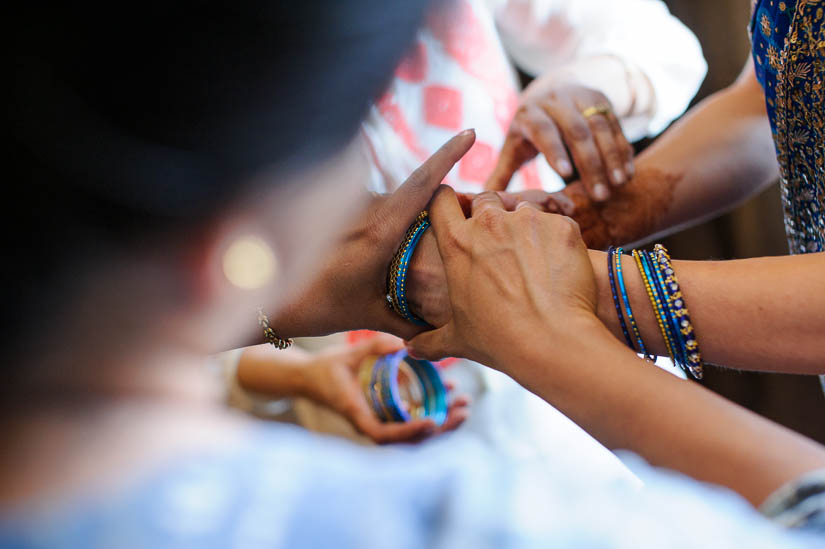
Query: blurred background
x=754, y=229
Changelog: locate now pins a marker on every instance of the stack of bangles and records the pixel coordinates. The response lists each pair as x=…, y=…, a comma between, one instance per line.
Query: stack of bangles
x=669, y=307
x=397, y=275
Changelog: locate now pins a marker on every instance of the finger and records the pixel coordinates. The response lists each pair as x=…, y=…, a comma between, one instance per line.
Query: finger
x=561, y=203
x=579, y=139
x=386, y=433
x=626, y=148
x=413, y=196
x=611, y=151
x=432, y=345
x=514, y=153
x=536, y=196
x=541, y=130
x=446, y=213
x=367, y=423
x=380, y=344
x=455, y=417
x=524, y=205
x=487, y=200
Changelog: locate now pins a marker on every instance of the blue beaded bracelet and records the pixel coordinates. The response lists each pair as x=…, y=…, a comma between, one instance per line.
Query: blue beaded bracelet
x=397, y=276
x=611, y=277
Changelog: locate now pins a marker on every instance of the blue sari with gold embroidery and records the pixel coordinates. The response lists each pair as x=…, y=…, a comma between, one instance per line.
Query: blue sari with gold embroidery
x=789, y=54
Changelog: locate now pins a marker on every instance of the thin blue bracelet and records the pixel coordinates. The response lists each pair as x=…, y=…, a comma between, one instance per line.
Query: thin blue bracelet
x=610, y=252
x=628, y=309
x=660, y=304
x=401, y=276
x=672, y=325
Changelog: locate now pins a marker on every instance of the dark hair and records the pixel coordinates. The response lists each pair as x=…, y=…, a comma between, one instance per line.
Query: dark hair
x=129, y=119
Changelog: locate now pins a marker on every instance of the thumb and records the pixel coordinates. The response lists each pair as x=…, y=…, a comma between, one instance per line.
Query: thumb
x=433, y=345
x=380, y=344
x=414, y=195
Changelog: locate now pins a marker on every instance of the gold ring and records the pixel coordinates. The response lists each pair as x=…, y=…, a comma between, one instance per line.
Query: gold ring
x=596, y=109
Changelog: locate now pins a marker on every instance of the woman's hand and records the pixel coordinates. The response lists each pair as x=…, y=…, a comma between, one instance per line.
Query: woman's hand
x=553, y=118
x=332, y=380
x=350, y=291
x=512, y=277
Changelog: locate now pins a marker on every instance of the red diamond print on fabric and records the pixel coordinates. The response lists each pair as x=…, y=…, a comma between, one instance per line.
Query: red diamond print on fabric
x=478, y=163
x=392, y=113
x=467, y=41
x=442, y=107
x=413, y=68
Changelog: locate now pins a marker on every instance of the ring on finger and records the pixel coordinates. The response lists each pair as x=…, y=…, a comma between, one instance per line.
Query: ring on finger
x=600, y=109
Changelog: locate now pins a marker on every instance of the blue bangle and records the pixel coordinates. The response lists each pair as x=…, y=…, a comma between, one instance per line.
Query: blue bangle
x=611, y=277
x=628, y=310
x=659, y=304
x=401, y=388
x=401, y=276
x=673, y=322
x=684, y=326
x=397, y=276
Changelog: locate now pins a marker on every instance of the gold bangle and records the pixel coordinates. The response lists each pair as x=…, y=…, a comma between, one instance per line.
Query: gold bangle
x=654, y=302
x=397, y=266
x=269, y=333
x=594, y=110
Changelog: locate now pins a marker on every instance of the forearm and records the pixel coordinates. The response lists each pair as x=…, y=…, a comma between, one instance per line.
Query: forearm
x=627, y=403
x=278, y=373
x=714, y=158
x=756, y=314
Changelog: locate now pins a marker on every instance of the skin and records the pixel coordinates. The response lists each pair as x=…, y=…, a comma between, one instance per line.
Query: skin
x=120, y=390
x=550, y=121
x=525, y=277
x=330, y=378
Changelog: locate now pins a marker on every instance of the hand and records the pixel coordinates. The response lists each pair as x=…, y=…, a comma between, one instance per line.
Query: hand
x=511, y=276
x=350, y=292
x=333, y=382
x=552, y=115
x=634, y=212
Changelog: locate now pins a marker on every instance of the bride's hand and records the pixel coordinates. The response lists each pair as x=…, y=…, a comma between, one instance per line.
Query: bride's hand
x=512, y=277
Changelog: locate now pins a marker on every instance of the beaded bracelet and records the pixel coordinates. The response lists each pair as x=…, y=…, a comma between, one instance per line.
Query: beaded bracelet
x=397, y=276
x=658, y=311
x=628, y=310
x=692, y=355
x=672, y=323
x=269, y=333
x=611, y=277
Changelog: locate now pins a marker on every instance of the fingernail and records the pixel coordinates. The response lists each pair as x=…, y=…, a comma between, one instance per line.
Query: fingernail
x=600, y=191
x=470, y=131
x=565, y=169
x=630, y=169
x=618, y=176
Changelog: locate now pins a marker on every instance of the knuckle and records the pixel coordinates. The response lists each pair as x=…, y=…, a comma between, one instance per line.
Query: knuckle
x=490, y=219
x=579, y=131
x=600, y=124
x=592, y=163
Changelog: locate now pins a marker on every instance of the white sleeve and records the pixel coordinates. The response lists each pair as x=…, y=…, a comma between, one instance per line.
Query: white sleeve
x=540, y=35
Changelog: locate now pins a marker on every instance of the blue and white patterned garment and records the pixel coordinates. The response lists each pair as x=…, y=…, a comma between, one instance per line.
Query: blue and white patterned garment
x=286, y=487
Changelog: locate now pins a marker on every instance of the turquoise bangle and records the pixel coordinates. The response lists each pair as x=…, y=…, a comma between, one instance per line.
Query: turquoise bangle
x=628, y=311
x=401, y=275
x=659, y=305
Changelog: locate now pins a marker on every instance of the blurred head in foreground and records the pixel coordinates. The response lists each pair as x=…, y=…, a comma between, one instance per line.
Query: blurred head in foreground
x=145, y=144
